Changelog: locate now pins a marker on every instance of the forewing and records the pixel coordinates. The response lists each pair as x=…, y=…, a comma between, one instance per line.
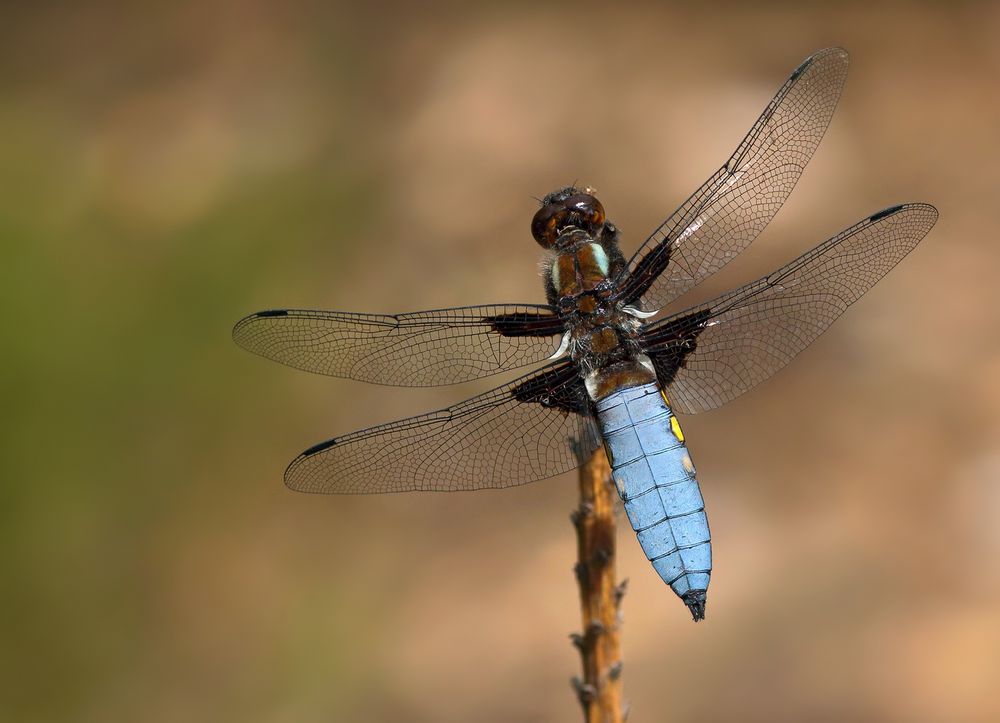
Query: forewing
x=420, y=349
x=734, y=205
x=714, y=352
x=530, y=429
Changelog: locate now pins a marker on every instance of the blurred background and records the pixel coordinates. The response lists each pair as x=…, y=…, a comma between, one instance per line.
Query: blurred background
x=169, y=167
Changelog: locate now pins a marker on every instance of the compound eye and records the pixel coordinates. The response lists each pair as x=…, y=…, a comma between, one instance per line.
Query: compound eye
x=545, y=225
x=588, y=208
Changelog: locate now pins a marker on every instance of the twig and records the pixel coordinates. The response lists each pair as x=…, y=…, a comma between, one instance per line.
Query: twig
x=600, y=688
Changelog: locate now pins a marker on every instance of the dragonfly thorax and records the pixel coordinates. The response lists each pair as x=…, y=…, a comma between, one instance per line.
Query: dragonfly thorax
x=582, y=281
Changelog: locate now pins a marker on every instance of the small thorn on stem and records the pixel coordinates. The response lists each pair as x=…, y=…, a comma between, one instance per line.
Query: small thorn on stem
x=620, y=590
x=584, y=691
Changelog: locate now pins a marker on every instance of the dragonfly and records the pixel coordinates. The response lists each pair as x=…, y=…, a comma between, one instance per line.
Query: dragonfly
x=614, y=369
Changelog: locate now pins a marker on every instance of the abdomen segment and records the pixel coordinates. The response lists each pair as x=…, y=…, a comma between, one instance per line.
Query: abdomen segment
x=656, y=480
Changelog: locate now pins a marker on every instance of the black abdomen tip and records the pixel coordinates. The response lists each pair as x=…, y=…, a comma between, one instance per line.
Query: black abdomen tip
x=695, y=600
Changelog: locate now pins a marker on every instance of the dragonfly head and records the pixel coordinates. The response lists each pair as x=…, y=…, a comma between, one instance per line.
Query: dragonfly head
x=565, y=208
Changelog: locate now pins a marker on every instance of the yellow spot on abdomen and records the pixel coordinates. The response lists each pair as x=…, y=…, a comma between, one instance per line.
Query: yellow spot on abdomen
x=675, y=427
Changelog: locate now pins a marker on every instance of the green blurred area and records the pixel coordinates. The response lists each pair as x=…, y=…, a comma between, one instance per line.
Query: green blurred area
x=169, y=168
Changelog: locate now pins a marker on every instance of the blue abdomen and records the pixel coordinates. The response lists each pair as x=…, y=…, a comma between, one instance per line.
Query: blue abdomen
x=656, y=480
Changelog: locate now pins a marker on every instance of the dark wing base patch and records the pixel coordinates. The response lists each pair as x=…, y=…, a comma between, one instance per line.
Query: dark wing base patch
x=669, y=345
x=562, y=388
x=524, y=323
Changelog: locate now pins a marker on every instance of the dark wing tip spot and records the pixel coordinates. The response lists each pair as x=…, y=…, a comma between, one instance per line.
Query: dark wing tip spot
x=837, y=51
x=885, y=212
x=802, y=68
x=242, y=324
x=316, y=448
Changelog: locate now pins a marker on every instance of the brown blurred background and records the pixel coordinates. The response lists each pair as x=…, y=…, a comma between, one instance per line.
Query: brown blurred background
x=170, y=167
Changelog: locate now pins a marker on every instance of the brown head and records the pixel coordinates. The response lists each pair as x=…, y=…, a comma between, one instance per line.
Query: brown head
x=565, y=208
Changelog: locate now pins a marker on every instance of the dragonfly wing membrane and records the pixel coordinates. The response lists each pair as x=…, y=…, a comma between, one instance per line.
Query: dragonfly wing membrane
x=426, y=348
x=725, y=215
x=712, y=353
x=532, y=428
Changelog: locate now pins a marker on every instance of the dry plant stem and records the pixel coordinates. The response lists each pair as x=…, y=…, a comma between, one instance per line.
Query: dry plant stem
x=600, y=688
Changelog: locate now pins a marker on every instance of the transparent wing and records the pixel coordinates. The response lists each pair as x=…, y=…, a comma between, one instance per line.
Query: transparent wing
x=714, y=352
x=527, y=430
x=730, y=210
x=426, y=348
